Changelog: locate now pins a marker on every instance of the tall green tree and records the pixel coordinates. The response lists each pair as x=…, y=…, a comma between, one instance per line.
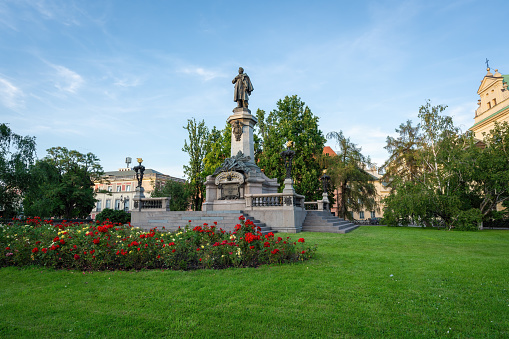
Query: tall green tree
x=441, y=183
x=179, y=192
x=63, y=184
x=347, y=171
x=293, y=121
x=404, y=153
x=218, y=148
x=17, y=154
x=490, y=170
x=196, y=148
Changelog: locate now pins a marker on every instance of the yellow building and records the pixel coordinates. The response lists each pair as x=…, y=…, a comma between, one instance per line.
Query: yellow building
x=119, y=192
x=493, y=103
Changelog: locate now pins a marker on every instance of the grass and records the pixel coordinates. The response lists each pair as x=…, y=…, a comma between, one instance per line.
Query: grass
x=373, y=282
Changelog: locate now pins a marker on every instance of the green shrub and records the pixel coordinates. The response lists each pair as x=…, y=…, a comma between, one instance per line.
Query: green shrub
x=118, y=216
x=468, y=220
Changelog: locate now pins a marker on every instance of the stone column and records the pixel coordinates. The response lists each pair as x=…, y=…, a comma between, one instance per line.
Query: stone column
x=242, y=122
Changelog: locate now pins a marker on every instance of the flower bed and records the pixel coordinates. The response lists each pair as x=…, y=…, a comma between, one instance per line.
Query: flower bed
x=110, y=246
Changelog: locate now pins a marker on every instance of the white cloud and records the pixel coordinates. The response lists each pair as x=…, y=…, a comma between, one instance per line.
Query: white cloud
x=127, y=82
x=10, y=95
x=206, y=75
x=67, y=80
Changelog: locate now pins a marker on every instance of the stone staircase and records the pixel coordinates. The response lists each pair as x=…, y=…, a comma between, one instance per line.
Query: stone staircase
x=172, y=221
x=324, y=221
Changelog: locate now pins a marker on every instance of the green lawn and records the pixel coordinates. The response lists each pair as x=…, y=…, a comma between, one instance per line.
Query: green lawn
x=373, y=282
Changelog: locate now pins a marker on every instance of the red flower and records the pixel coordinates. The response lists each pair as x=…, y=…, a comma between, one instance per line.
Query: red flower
x=74, y=246
x=197, y=249
x=279, y=238
x=251, y=247
x=200, y=259
x=44, y=250
x=173, y=250
x=242, y=218
x=159, y=256
x=171, y=243
x=274, y=251
x=96, y=241
x=7, y=248
x=303, y=252
x=266, y=244
x=37, y=242
x=92, y=251
x=35, y=250
x=62, y=241
x=301, y=240
x=76, y=256
x=205, y=224
x=189, y=221
x=139, y=248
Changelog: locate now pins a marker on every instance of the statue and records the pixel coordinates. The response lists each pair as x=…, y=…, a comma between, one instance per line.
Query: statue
x=243, y=88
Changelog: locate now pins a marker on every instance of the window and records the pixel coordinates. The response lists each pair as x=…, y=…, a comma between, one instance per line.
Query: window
x=108, y=203
x=110, y=189
x=128, y=188
x=98, y=206
x=119, y=188
x=117, y=204
x=489, y=105
x=361, y=215
x=494, y=102
x=373, y=214
x=126, y=205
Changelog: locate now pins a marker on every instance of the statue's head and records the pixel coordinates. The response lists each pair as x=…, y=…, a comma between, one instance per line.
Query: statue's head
x=241, y=70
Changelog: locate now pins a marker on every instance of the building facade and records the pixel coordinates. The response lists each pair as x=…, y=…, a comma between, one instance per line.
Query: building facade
x=117, y=189
x=493, y=103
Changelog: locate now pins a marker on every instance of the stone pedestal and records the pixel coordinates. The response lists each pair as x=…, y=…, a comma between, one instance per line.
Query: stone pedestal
x=242, y=135
x=288, y=189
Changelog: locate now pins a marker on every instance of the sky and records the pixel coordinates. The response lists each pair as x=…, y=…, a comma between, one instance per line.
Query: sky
x=121, y=78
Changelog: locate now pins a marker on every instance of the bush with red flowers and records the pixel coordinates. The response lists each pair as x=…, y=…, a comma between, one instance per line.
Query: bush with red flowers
x=110, y=246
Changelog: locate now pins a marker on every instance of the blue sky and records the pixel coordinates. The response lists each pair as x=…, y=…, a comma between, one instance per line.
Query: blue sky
x=121, y=78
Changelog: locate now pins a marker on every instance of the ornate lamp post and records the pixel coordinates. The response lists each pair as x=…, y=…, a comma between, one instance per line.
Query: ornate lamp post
x=325, y=181
x=325, y=184
x=140, y=169
x=287, y=156
x=125, y=201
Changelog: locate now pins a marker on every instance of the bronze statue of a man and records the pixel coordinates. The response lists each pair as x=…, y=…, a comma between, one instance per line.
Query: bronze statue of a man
x=243, y=88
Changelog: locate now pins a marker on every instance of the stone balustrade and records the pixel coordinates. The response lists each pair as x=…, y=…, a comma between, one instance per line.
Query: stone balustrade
x=153, y=204
x=274, y=199
x=319, y=205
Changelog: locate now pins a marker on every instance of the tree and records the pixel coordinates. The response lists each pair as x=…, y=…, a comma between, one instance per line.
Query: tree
x=63, y=184
x=197, y=147
x=218, y=148
x=356, y=189
x=17, y=154
x=179, y=192
x=404, y=153
x=490, y=173
x=443, y=183
x=292, y=121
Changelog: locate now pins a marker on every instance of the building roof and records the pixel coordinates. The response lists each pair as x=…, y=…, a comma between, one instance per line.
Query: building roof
x=490, y=116
x=129, y=173
x=329, y=151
